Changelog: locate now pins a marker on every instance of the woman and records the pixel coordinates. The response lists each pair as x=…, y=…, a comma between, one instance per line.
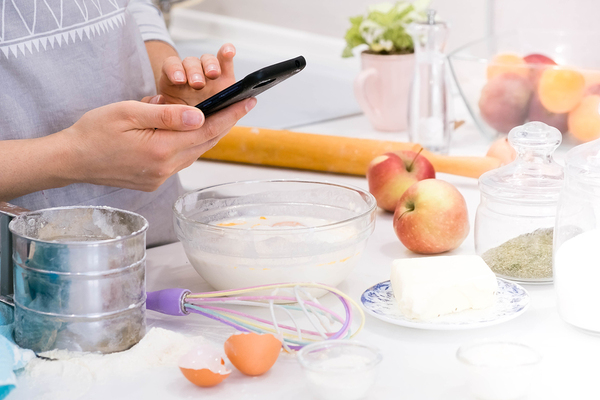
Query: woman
x=73, y=128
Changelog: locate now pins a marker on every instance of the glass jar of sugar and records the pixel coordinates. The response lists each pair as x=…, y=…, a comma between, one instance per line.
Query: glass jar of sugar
x=515, y=219
x=577, y=239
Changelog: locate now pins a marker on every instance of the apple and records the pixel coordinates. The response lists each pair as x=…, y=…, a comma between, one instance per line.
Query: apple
x=431, y=217
x=537, y=64
x=390, y=174
x=538, y=59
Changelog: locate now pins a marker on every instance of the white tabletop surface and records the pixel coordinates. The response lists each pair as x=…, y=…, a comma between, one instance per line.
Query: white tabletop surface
x=417, y=364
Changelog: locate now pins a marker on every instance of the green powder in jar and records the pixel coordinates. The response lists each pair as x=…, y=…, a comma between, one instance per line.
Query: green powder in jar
x=528, y=256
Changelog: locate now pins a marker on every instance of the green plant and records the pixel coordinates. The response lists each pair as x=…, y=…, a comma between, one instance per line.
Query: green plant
x=383, y=29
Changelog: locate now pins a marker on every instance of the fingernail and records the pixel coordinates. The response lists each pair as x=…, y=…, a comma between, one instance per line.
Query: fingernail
x=250, y=104
x=228, y=49
x=178, y=76
x=192, y=118
x=196, y=78
x=211, y=67
x=156, y=99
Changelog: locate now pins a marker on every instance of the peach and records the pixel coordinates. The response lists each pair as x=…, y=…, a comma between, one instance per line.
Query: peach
x=390, y=174
x=537, y=112
x=504, y=101
x=592, y=89
x=431, y=217
x=507, y=63
x=584, y=120
x=502, y=150
x=561, y=89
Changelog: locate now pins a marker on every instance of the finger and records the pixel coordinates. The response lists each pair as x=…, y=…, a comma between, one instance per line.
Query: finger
x=173, y=117
x=211, y=67
x=219, y=123
x=158, y=99
x=194, y=72
x=173, y=69
x=225, y=57
x=188, y=156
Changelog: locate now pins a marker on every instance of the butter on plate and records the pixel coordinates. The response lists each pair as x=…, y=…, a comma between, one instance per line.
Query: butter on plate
x=429, y=287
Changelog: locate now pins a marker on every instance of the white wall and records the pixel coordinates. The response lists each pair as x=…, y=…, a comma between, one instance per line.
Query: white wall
x=330, y=17
x=468, y=18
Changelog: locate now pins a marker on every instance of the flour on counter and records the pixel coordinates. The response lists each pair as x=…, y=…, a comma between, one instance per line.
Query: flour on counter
x=77, y=372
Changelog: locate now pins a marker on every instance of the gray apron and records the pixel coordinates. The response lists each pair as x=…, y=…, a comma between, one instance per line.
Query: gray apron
x=59, y=59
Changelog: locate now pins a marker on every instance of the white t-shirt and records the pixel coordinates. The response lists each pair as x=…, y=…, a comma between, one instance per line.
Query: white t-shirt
x=62, y=58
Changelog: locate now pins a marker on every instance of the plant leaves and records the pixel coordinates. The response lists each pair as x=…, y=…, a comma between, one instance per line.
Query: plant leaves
x=383, y=29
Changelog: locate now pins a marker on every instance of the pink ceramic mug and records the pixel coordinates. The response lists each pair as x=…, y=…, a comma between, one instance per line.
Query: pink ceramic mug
x=382, y=89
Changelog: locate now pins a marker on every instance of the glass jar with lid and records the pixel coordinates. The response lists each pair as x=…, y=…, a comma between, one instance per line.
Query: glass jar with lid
x=515, y=219
x=577, y=239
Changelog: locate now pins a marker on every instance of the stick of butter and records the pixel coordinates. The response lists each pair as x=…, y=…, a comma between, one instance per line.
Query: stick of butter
x=428, y=287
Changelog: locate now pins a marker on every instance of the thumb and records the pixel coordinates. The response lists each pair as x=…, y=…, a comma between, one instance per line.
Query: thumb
x=174, y=117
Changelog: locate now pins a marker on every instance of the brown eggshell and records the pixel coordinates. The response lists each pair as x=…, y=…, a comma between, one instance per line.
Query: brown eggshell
x=252, y=353
x=203, y=377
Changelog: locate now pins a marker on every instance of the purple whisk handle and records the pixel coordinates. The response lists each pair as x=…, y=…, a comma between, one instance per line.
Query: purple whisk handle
x=168, y=301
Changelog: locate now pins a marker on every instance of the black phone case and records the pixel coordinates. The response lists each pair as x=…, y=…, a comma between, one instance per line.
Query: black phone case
x=252, y=85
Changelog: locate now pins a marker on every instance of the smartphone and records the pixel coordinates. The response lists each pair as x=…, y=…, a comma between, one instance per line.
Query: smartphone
x=252, y=85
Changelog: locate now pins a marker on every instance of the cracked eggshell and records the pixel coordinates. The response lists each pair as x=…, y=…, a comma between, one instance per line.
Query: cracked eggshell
x=252, y=353
x=204, y=366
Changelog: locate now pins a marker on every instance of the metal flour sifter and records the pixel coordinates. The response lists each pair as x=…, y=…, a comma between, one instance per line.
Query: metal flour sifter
x=75, y=276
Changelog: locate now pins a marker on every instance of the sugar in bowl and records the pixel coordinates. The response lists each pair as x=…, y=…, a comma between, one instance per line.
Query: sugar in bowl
x=514, y=224
x=577, y=239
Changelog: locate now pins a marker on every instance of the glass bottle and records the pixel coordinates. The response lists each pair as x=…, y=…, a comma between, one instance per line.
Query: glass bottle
x=515, y=219
x=577, y=239
x=430, y=120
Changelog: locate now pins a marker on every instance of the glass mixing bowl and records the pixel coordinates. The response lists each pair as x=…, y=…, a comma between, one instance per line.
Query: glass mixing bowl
x=509, y=79
x=263, y=232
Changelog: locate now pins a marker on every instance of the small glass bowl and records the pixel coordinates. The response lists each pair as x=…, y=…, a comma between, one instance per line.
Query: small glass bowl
x=340, y=369
x=499, y=370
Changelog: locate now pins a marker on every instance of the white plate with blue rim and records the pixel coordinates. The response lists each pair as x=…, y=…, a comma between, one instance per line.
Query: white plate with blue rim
x=511, y=301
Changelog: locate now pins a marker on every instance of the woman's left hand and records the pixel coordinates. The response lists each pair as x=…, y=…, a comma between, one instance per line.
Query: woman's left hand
x=194, y=80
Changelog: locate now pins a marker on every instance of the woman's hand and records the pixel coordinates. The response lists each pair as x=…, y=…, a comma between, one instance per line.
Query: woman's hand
x=130, y=144
x=194, y=79
x=139, y=145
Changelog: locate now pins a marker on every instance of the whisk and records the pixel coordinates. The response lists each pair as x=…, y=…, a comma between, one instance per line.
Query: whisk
x=326, y=324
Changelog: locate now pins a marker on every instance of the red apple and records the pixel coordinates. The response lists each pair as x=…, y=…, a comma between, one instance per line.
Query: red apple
x=536, y=64
x=431, y=217
x=538, y=59
x=390, y=174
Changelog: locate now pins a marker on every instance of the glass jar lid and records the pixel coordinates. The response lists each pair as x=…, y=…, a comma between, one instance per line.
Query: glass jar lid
x=533, y=176
x=583, y=163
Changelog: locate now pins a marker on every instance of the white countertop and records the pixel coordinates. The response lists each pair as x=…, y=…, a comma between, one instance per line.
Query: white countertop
x=417, y=364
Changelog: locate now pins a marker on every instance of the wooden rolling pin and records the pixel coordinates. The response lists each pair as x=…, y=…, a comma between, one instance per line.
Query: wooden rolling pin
x=336, y=154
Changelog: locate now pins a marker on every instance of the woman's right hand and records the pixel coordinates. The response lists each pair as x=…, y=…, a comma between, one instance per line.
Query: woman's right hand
x=138, y=145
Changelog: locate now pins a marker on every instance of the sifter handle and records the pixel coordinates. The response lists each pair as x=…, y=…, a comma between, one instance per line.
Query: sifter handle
x=7, y=213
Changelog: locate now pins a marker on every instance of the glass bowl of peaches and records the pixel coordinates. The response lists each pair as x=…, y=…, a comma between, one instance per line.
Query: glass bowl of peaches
x=531, y=75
